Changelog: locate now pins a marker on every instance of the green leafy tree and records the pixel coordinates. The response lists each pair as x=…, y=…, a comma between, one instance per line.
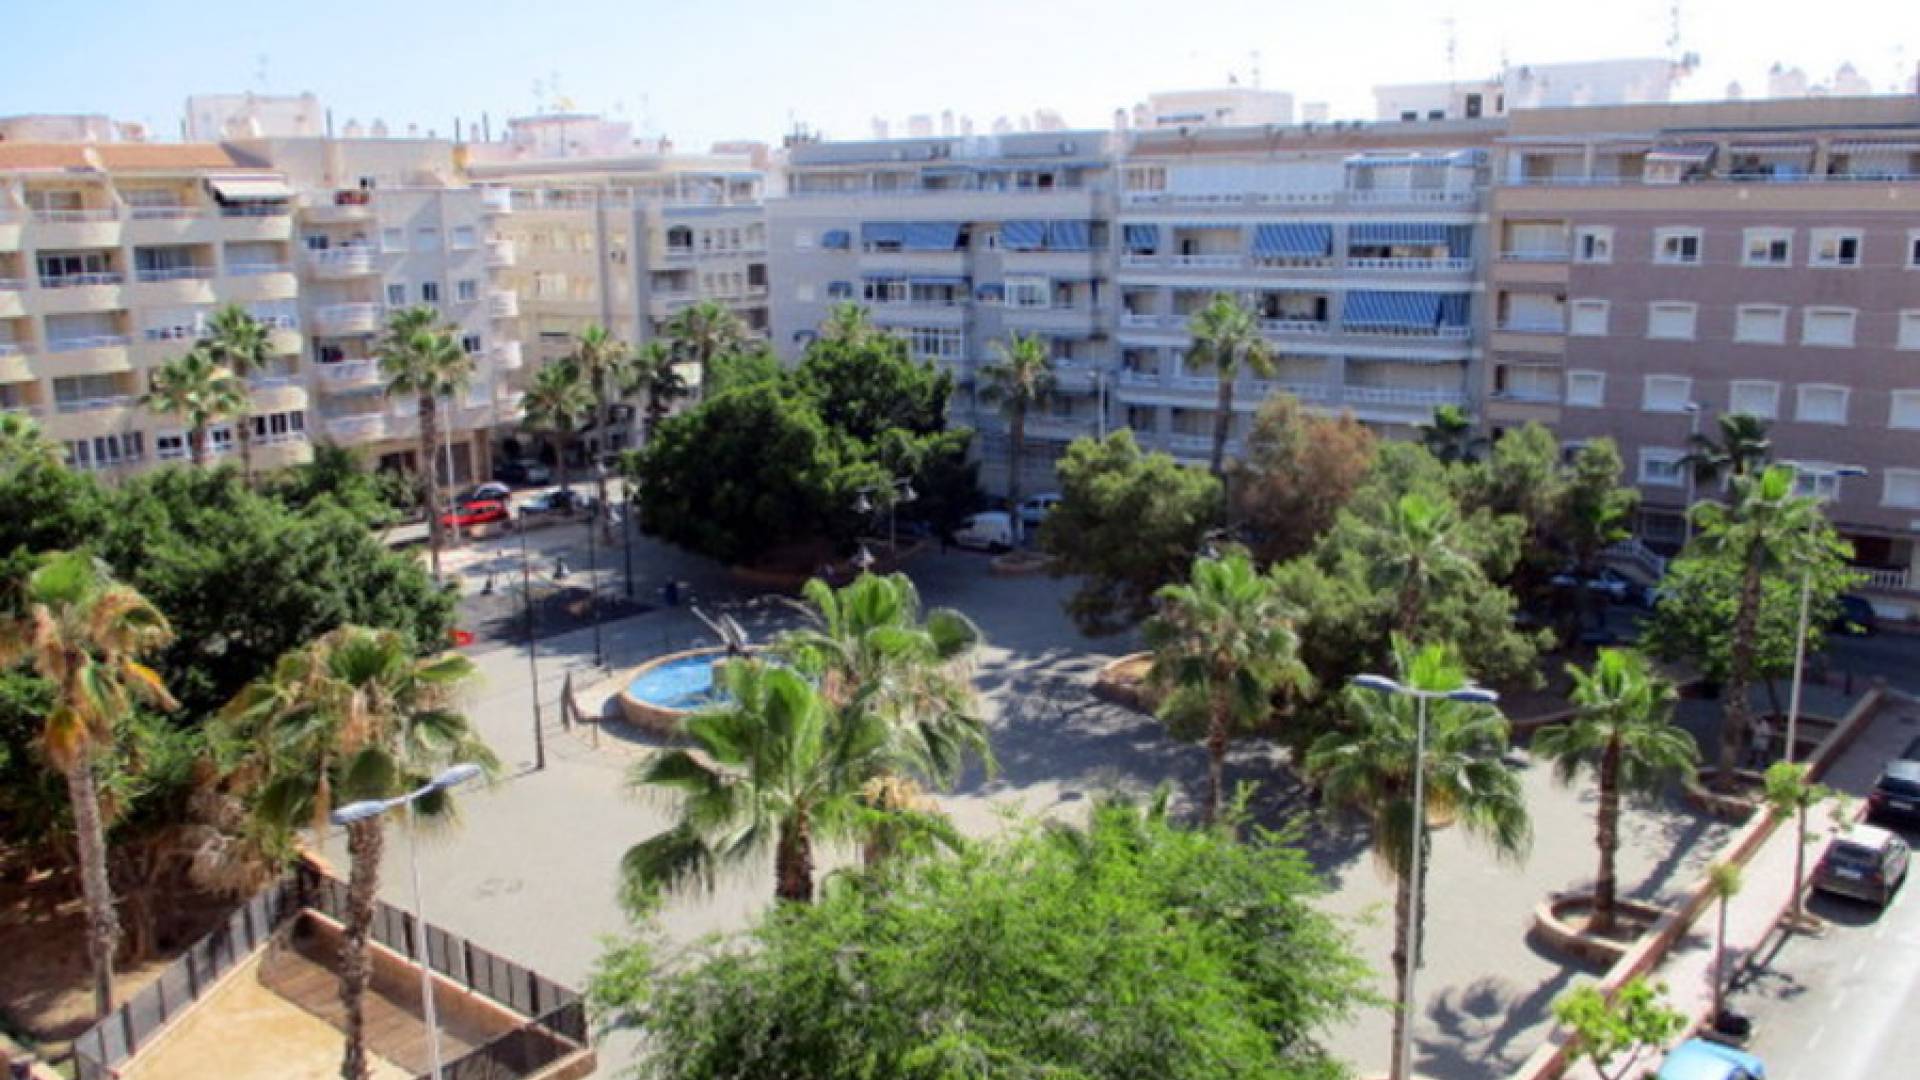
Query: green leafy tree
x=1723, y=884
x=1298, y=471
x=1451, y=437
x=1128, y=522
x=1371, y=769
x=1790, y=792
x=338, y=476
x=1623, y=730
x=22, y=443
x=354, y=716
x=1634, y=1020
x=1742, y=448
x=1594, y=511
x=1228, y=341
x=1130, y=948
x=705, y=331
x=1419, y=556
x=1521, y=478
x=195, y=388
x=1017, y=381
x=557, y=402
x=731, y=371
x=84, y=634
x=849, y=323
x=654, y=376
x=605, y=363
x=776, y=768
x=421, y=361
x=241, y=344
x=867, y=389
x=1223, y=647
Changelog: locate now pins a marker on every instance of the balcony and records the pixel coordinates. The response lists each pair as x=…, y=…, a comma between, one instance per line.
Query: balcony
x=1295, y=327
x=496, y=200
x=676, y=255
x=9, y=231
x=1411, y=266
x=1532, y=326
x=1884, y=580
x=343, y=374
x=102, y=355
x=1061, y=428
x=174, y=285
x=97, y=228
x=169, y=225
x=342, y=262
x=506, y=356
x=1229, y=261
x=1430, y=333
x=358, y=428
x=347, y=319
x=1410, y=197
x=1130, y=320
x=1235, y=199
x=345, y=206
x=500, y=254
x=99, y=404
x=256, y=221
x=1400, y=396
x=12, y=306
x=71, y=293
x=1536, y=255
x=502, y=304
x=248, y=283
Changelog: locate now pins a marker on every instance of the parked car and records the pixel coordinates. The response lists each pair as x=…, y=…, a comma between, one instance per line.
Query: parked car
x=1866, y=863
x=1608, y=582
x=1896, y=795
x=491, y=491
x=476, y=513
x=991, y=530
x=1034, y=509
x=522, y=473
x=558, y=503
x=1856, y=617
x=1698, y=1059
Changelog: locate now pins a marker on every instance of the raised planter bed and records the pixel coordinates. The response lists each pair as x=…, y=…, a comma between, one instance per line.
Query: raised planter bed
x=1019, y=564
x=1123, y=682
x=1560, y=921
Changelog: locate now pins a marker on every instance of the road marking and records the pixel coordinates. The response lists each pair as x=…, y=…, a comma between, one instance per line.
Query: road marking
x=1834, y=1005
x=1818, y=1033
x=1858, y=963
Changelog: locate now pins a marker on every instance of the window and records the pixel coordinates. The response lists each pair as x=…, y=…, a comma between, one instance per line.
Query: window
x=1901, y=488
x=1528, y=382
x=1913, y=249
x=1671, y=321
x=393, y=239
x=429, y=292
x=1905, y=410
x=1676, y=247
x=1593, y=244
x=1821, y=404
x=1754, y=397
x=1832, y=327
x=1909, y=329
x=802, y=240
x=1818, y=480
x=1760, y=324
x=1029, y=293
x=462, y=238
x=803, y=292
x=1589, y=318
x=470, y=344
x=280, y=427
x=466, y=290
x=1835, y=247
x=396, y=294
x=105, y=451
x=426, y=238
x=1666, y=393
x=1586, y=389
x=1660, y=466
x=937, y=342
x=1768, y=247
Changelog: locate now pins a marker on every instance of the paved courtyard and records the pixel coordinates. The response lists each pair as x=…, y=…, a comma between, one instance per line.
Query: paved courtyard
x=531, y=870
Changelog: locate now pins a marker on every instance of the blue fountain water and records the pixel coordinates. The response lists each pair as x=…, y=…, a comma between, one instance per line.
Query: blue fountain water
x=686, y=683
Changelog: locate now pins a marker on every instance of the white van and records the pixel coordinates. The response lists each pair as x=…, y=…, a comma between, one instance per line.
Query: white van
x=991, y=530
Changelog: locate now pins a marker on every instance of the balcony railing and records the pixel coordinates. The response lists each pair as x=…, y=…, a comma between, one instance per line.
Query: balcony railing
x=75, y=344
x=1896, y=580
x=10, y=284
x=257, y=269
x=255, y=209
x=1540, y=255
x=1237, y=198
x=69, y=217
x=1409, y=196
x=1533, y=326
x=1393, y=395
x=345, y=260
x=1528, y=395
x=155, y=275
x=500, y=253
x=503, y=305
x=1183, y=262
x=1140, y=321
x=365, y=425
x=1417, y=266
x=76, y=281
x=11, y=348
x=274, y=382
x=348, y=372
x=1310, y=327
x=1443, y=333
x=165, y=213
x=74, y=405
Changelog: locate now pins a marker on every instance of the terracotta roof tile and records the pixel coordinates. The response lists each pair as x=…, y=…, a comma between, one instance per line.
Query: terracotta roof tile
x=129, y=157
x=29, y=155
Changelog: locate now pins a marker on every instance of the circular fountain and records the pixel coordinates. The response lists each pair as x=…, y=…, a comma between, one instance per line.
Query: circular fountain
x=662, y=691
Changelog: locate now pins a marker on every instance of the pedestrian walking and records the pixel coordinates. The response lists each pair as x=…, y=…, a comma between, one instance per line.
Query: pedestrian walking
x=1762, y=749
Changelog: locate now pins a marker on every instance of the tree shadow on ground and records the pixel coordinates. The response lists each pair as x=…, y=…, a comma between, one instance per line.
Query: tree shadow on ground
x=1485, y=1026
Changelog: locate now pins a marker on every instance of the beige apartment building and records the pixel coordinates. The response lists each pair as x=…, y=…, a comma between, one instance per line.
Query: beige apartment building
x=1660, y=266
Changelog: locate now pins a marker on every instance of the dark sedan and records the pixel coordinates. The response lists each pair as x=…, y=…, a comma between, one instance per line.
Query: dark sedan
x=1896, y=795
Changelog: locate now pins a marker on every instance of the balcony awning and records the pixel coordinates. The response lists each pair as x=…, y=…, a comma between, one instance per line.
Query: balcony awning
x=1069, y=236
x=931, y=236
x=1390, y=233
x=990, y=291
x=940, y=281
x=1370, y=307
x=1375, y=161
x=1681, y=154
x=1770, y=148
x=1876, y=148
x=882, y=232
x=1454, y=308
x=250, y=188
x=1142, y=238
x=1293, y=240
x=836, y=238
x=1023, y=235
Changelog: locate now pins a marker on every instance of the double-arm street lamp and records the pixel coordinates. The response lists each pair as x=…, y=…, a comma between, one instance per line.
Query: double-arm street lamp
x=900, y=491
x=450, y=777
x=1817, y=475
x=1409, y=945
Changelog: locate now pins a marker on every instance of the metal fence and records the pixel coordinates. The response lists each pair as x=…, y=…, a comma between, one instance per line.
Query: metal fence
x=524, y=1050
x=115, y=1039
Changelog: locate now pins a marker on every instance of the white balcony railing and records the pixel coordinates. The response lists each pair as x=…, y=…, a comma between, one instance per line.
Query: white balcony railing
x=274, y=382
x=156, y=275
x=503, y=305
x=1394, y=395
x=75, y=344
x=76, y=281
x=1896, y=580
x=363, y=426
x=1415, y=266
x=496, y=200
x=500, y=253
x=1132, y=321
x=165, y=213
x=1443, y=333
x=1310, y=327
x=348, y=372
x=361, y=318
x=70, y=217
x=1238, y=198
x=11, y=348
x=1541, y=255
x=252, y=269
x=11, y=284
x=1633, y=551
x=1229, y=261
x=1409, y=196
x=74, y=405
x=358, y=259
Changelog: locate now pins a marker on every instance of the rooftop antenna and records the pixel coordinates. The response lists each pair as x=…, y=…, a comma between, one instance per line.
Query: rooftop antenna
x=1453, y=49
x=539, y=95
x=260, y=70
x=1255, y=57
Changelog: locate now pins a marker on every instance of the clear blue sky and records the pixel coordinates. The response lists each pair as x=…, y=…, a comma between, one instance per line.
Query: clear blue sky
x=700, y=70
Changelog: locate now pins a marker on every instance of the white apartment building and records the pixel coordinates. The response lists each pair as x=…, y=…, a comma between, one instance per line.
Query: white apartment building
x=1531, y=86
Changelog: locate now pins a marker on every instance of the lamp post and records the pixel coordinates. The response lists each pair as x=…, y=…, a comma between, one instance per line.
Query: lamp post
x=1694, y=409
x=593, y=566
x=533, y=646
x=901, y=492
x=1410, y=945
x=626, y=534
x=1806, y=600
x=451, y=777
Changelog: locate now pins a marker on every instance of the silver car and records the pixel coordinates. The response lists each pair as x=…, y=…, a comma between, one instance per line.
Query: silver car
x=1865, y=863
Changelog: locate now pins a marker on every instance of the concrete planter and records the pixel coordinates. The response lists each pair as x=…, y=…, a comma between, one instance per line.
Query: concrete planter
x=1121, y=682
x=1559, y=922
x=647, y=716
x=1019, y=564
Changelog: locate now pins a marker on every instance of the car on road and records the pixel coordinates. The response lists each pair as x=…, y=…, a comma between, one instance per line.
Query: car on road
x=556, y=505
x=990, y=530
x=1698, y=1059
x=1608, y=582
x=1896, y=795
x=485, y=512
x=1865, y=863
x=491, y=491
x=1034, y=509
x=1856, y=617
x=522, y=473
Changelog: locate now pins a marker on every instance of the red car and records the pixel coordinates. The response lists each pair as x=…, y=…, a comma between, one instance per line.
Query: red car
x=484, y=512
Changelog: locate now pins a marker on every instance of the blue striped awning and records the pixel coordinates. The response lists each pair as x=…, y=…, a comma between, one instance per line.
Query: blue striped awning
x=1069, y=236
x=1142, y=238
x=931, y=236
x=1023, y=235
x=1293, y=240
x=836, y=238
x=1372, y=161
x=992, y=291
x=1372, y=307
x=1454, y=308
x=1409, y=233
x=882, y=232
x=939, y=281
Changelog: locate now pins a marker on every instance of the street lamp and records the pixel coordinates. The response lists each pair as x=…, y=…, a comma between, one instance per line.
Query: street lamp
x=450, y=777
x=1806, y=598
x=901, y=492
x=533, y=640
x=1694, y=409
x=1476, y=695
x=593, y=566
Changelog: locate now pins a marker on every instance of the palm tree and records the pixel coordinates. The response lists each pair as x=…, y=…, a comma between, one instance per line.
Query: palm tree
x=1723, y=884
x=1450, y=437
x=1227, y=341
x=773, y=768
x=1767, y=528
x=655, y=375
x=1370, y=768
x=1743, y=446
x=241, y=344
x=603, y=361
x=1019, y=380
x=556, y=403
x=1623, y=730
x=705, y=331
x=1420, y=552
x=22, y=442
x=83, y=632
x=1790, y=792
x=1223, y=645
x=417, y=359
x=194, y=387
x=849, y=323
x=353, y=715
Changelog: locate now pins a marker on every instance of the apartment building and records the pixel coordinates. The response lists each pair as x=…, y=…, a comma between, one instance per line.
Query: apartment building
x=626, y=242
x=1660, y=266
x=112, y=258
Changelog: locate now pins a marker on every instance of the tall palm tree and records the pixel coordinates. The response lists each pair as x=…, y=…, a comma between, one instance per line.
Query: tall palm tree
x=1226, y=341
x=1421, y=550
x=603, y=361
x=84, y=633
x=1370, y=768
x=195, y=388
x=241, y=344
x=1743, y=446
x=1019, y=379
x=1450, y=435
x=1223, y=645
x=22, y=441
x=705, y=331
x=1765, y=529
x=1623, y=730
x=353, y=715
x=557, y=402
x=849, y=323
x=421, y=361
x=654, y=375
x=774, y=768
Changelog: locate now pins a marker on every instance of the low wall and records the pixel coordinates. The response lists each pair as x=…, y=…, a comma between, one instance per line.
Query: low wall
x=659, y=719
x=472, y=1017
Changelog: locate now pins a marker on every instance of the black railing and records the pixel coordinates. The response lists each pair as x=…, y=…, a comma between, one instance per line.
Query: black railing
x=525, y=1050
